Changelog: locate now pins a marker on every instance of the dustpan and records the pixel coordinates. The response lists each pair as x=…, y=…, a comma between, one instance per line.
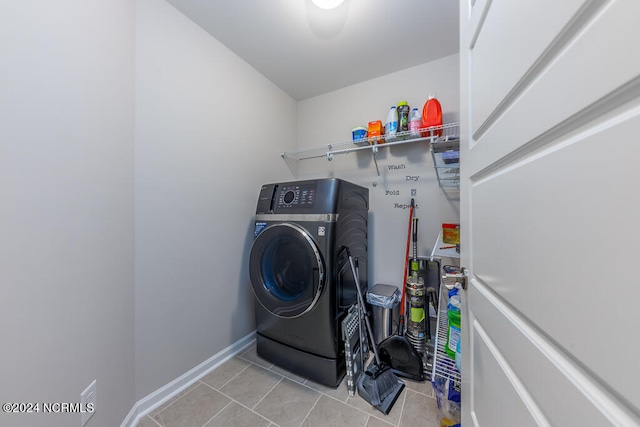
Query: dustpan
x=377, y=385
x=405, y=361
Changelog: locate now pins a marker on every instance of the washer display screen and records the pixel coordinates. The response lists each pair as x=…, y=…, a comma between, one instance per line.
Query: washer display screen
x=299, y=195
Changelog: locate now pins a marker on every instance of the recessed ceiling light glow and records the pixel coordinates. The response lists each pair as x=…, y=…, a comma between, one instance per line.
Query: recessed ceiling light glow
x=327, y=4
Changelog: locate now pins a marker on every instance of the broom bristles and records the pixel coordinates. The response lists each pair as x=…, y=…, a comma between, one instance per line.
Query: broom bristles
x=380, y=384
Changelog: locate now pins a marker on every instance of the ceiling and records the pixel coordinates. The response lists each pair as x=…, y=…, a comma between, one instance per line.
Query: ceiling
x=308, y=51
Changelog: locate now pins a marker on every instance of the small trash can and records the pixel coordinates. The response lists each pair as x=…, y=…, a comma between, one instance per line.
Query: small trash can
x=385, y=307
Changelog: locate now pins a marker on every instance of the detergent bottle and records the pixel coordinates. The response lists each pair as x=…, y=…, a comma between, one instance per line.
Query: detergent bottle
x=403, y=117
x=432, y=116
x=453, y=332
x=391, y=127
x=415, y=123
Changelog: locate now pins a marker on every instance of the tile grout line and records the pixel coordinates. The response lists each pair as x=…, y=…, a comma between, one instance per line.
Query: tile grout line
x=404, y=402
x=346, y=402
x=321, y=393
x=251, y=361
x=305, y=382
x=153, y=420
x=217, y=413
x=282, y=377
x=313, y=407
x=267, y=393
x=241, y=404
x=232, y=378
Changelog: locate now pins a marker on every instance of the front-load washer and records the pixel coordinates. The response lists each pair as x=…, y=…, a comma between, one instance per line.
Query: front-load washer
x=300, y=275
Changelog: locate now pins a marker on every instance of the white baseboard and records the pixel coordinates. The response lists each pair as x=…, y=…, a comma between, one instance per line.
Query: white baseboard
x=150, y=402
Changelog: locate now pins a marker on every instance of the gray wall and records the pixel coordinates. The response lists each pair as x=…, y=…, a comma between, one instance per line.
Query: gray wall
x=67, y=207
x=209, y=130
x=329, y=118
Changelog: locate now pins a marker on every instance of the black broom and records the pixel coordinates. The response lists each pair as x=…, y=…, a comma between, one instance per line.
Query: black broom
x=378, y=385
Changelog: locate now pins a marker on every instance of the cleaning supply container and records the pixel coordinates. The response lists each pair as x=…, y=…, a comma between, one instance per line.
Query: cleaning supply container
x=391, y=125
x=375, y=132
x=415, y=123
x=432, y=116
x=385, y=307
x=453, y=333
x=403, y=117
x=359, y=135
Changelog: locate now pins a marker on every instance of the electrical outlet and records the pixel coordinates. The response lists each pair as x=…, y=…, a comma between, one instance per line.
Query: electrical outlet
x=88, y=402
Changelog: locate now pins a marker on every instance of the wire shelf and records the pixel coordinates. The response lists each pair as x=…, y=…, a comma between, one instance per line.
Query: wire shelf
x=443, y=365
x=446, y=161
x=448, y=132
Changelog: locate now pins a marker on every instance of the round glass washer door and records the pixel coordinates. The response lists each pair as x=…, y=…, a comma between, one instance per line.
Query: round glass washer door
x=286, y=270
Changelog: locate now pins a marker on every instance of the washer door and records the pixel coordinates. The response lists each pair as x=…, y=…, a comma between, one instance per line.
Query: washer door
x=286, y=270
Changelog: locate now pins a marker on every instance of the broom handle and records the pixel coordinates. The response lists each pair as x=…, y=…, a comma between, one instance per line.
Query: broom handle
x=361, y=302
x=361, y=315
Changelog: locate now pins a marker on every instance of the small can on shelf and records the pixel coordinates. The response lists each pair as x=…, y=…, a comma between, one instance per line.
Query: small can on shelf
x=359, y=135
x=451, y=234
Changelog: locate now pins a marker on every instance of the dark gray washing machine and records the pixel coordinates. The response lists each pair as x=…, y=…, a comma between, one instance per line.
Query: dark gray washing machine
x=300, y=275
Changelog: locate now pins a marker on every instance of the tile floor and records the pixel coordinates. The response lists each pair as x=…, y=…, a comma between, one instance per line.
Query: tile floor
x=248, y=391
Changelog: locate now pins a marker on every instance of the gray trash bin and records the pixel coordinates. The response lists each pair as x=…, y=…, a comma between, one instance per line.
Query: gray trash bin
x=385, y=307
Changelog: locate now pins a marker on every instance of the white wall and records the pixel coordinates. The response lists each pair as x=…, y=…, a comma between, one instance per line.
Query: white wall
x=209, y=130
x=329, y=118
x=67, y=210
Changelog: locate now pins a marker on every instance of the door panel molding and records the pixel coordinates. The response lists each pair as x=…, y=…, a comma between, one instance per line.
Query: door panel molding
x=503, y=396
x=476, y=19
x=510, y=42
x=597, y=118
x=559, y=94
x=521, y=347
x=561, y=225
x=565, y=37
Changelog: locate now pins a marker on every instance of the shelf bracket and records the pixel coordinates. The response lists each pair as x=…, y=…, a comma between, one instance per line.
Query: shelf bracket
x=374, y=152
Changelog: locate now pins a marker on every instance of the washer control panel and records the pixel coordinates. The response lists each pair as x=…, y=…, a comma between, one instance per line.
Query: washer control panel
x=298, y=195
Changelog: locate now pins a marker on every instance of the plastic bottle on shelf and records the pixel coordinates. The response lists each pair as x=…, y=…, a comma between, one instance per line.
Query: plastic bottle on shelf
x=453, y=332
x=415, y=123
x=391, y=126
x=403, y=117
x=432, y=115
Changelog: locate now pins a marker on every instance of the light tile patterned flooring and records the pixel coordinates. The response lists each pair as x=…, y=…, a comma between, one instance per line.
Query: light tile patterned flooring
x=248, y=391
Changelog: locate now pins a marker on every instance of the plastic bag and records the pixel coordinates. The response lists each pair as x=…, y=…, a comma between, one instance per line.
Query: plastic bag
x=448, y=398
x=385, y=301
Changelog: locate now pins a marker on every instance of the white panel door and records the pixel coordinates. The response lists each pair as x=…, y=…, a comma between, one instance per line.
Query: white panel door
x=550, y=208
